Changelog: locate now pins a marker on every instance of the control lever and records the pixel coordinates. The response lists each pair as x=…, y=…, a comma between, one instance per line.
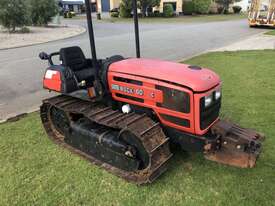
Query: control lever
x=45, y=56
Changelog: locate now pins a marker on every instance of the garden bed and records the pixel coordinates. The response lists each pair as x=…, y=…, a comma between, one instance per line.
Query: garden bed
x=183, y=19
x=37, y=35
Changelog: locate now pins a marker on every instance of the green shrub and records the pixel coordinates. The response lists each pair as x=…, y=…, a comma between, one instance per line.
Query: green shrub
x=158, y=14
x=69, y=15
x=168, y=10
x=225, y=4
x=188, y=8
x=125, y=8
x=202, y=6
x=213, y=9
x=146, y=6
x=237, y=9
x=151, y=14
x=114, y=14
x=42, y=11
x=220, y=9
x=25, y=30
x=226, y=11
x=13, y=13
x=155, y=14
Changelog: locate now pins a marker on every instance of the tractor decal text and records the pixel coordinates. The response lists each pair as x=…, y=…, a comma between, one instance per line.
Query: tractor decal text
x=127, y=90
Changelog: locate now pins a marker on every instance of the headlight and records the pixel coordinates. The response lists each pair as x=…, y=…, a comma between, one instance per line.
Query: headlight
x=208, y=100
x=218, y=94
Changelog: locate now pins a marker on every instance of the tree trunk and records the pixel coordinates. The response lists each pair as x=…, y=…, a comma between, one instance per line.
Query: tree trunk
x=143, y=10
x=13, y=28
x=226, y=7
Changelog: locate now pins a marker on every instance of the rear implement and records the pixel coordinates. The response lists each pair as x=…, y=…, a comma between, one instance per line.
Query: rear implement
x=235, y=146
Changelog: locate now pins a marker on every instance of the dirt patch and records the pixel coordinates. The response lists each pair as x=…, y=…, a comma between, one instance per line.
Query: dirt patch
x=38, y=35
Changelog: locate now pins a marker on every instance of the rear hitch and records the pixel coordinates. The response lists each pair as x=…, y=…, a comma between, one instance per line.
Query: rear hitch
x=235, y=146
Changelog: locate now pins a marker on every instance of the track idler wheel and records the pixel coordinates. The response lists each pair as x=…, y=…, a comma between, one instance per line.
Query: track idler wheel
x=59, y=121
x=234, y=146
x=136, y=147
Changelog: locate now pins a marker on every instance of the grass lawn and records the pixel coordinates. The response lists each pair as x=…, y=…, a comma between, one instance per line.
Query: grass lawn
x=270, y=32
x=34, y=171
x=179, y=19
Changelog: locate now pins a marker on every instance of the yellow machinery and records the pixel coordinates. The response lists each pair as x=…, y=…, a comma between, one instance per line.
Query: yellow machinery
x=262, y=13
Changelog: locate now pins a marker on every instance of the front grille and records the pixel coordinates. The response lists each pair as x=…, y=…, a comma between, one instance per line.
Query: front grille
x=130, y=97
x=209, y=114
x=176, y=120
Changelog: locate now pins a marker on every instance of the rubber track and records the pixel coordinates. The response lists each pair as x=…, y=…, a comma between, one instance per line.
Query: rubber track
x=149, y=132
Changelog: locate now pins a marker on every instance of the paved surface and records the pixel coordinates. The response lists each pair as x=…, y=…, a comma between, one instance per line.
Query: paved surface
x=256, y=42
x=21, y=71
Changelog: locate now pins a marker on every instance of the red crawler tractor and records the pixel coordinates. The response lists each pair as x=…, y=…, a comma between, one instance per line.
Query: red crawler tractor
x=122, y=113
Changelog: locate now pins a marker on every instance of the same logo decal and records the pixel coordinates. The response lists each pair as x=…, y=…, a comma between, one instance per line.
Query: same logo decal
x=127, y=90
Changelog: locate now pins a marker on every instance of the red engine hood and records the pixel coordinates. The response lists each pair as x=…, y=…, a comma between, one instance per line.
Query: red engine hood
x=197, y=80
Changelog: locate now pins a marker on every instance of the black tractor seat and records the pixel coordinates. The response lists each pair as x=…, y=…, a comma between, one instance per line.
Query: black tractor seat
x=73, y=59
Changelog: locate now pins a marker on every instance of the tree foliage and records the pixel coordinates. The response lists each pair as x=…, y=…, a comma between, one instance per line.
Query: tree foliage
x=145, y=4
x=125, y=8
x=188, y=7
x=226, y=3
x=168, y=10
x=202, y=6
x=42, y=11
x=237, y=9
x=13, y=13
x=19, y=13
